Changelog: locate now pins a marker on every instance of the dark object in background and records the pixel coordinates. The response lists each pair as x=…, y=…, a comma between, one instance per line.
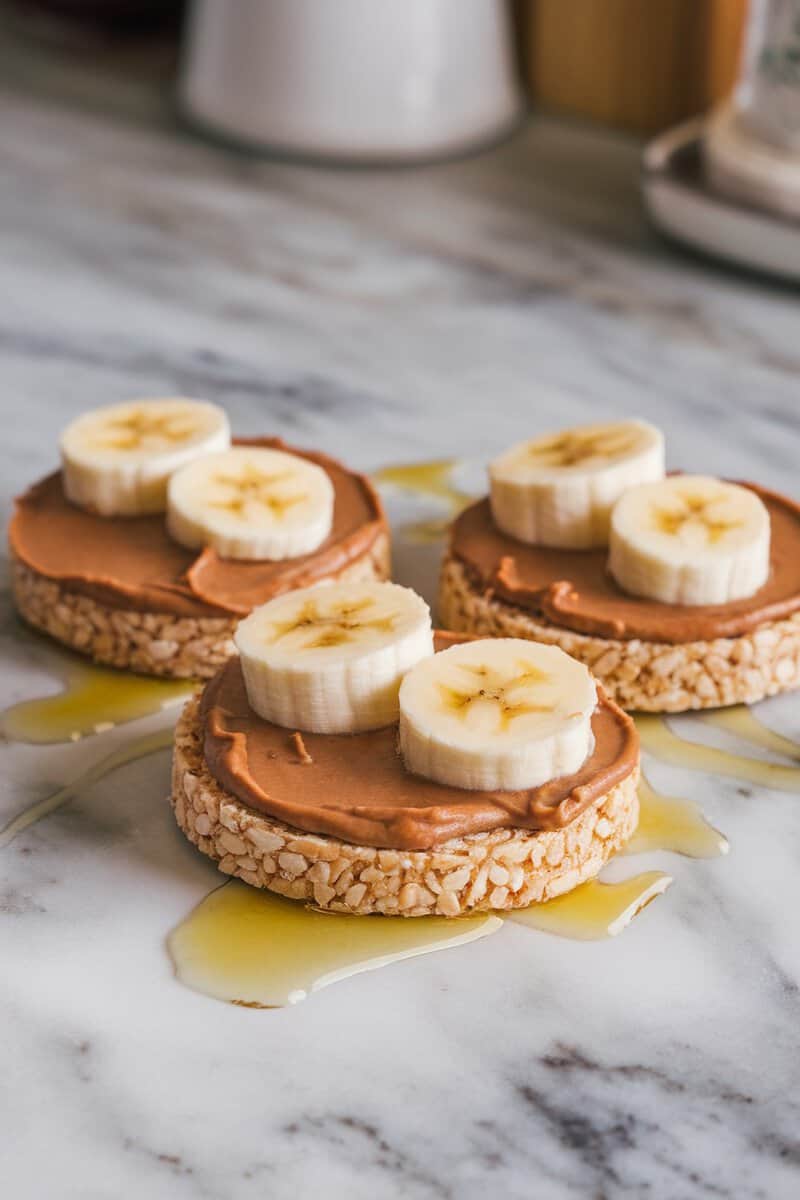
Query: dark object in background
x=69, y=19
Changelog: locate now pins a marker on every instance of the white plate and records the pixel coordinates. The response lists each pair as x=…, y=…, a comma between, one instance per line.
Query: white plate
x=682, y=204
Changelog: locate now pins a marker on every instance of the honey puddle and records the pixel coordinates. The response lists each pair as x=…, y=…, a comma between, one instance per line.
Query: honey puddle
x=669, y=823
x=660, y=741
x=94, y=699
x=431, y=479
x=258, y=950
x=741, y=722
x=594, y=910
x=141, y=748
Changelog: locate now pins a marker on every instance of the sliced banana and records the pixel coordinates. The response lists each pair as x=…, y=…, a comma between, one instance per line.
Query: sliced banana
x=117, y=460
x=497, y=714
x=558, y=489
x=690, y=539
x=251, y=502
x=329, y=659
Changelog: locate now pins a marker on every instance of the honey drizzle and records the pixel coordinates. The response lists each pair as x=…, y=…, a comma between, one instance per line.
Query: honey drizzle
x=669, y=823
x=594, y=910
x=93, y=700
x=741, y=722
x=258, y=950
x=660, y=741
x=141, y=748
x=429, y=479
x=425, y=533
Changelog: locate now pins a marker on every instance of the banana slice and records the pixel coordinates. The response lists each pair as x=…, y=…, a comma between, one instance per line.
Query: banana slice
x=690, y=539
x=329, y=659
x=251, y=503
x=117, y=460
x=499, y=713
x=559, y=489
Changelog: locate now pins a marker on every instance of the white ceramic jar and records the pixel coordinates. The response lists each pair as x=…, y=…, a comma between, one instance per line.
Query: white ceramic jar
x=362, y=80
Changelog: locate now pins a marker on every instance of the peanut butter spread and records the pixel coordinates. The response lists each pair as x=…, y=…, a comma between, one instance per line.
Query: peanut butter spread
x=132, y=563
x=574, y=589
x=355, y=787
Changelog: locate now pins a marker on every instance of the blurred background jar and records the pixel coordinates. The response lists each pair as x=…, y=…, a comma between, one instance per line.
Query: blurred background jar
x=355, y=79
x=637, y=64
x=767, y=100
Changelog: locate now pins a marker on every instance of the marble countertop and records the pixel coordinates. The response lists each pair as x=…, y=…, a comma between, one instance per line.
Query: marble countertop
x=384, y=316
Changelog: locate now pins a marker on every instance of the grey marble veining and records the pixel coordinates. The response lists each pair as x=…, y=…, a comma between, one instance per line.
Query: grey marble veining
x=384, y=316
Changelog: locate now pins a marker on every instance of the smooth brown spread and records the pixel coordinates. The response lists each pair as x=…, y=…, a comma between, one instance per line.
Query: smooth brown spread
x=356, y=788
x=132, y=563
x=574, y=589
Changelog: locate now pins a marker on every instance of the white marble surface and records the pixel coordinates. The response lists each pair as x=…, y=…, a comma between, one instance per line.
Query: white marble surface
x=383, y=316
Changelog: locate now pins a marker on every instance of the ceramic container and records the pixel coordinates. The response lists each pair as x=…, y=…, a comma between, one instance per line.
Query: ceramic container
x=351, y=79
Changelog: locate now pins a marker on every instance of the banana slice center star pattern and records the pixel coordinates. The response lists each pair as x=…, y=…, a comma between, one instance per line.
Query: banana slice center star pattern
x=496, y=713
x=330, y=659
x=575, y=447
x=693, y=515
x=495, y=689
x=333, y=628
x=251, y=487
x=142, y=430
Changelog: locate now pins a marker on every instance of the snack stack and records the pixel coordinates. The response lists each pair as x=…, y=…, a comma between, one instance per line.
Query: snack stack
x=353, y=759
x=158, y=535
x=678, y=593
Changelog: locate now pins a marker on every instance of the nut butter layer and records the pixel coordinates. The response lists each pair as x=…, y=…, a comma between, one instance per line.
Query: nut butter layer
x=354, y=787
x=573, y=588
x=131, y=563
x=483, y=872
